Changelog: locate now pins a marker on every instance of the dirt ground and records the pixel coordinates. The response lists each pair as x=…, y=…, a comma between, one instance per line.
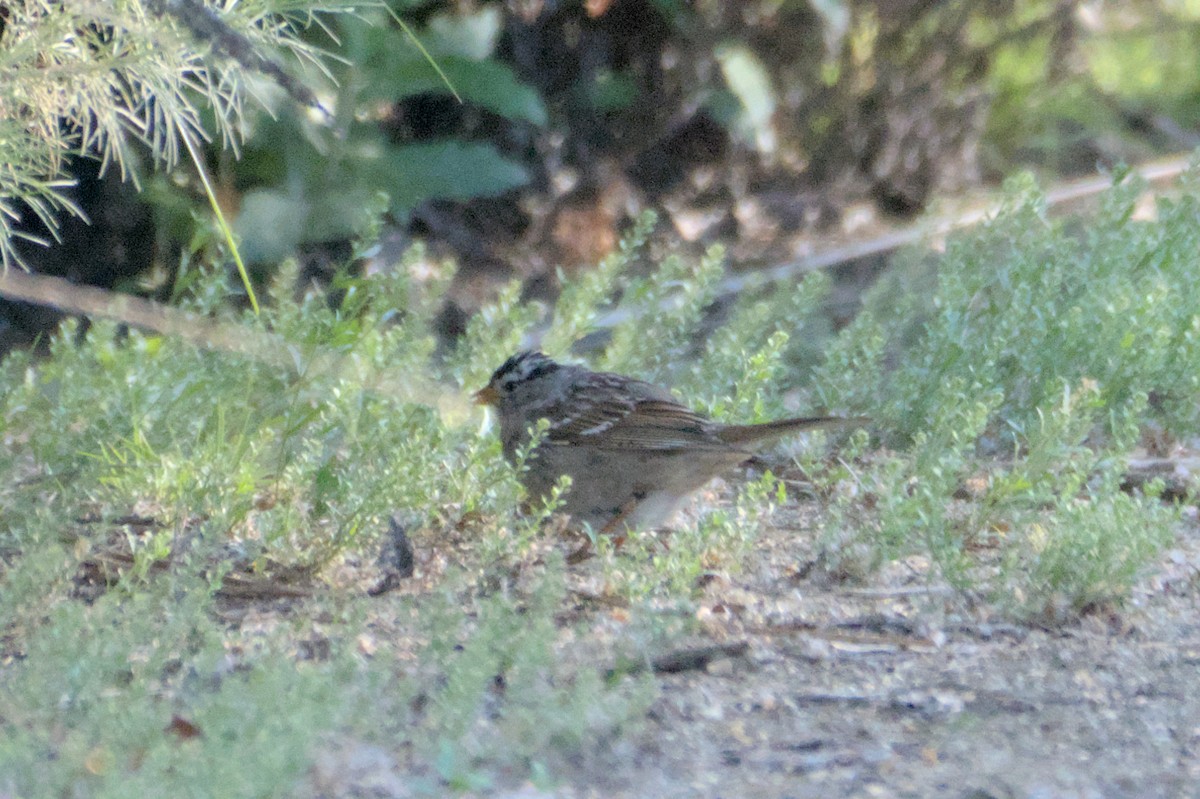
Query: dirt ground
x=883, y=692
x=894, y=688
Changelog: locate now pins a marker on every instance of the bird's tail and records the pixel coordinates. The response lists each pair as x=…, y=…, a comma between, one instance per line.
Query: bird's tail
x=739, y=434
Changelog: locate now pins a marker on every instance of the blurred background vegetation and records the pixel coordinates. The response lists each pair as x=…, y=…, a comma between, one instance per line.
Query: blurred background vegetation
x=532, y=133
x=458, y=179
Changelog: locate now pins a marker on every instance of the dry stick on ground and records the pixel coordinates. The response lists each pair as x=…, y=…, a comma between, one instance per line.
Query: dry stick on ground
x=260, y=345
x=1178, y=475
x=690, y=659
x=104, y=566
x=899, y=591
x=1060, y=197
x=63, y=295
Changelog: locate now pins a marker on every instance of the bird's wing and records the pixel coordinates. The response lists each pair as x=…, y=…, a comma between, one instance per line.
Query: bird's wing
x=630, y=415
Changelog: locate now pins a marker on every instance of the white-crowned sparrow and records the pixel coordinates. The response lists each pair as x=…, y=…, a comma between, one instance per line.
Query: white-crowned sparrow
x=632, y=451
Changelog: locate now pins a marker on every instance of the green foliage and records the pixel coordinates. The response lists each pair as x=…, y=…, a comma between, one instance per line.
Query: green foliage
x=1023, y=306
x=674, y=296
x=1087, y=554
x=914, y=491
x=101, y=78
x=488, y=84
x=311, y=182
x=492, y=335
x=1013, y=400
x=448, y=170
x=577, y=310
x=1062, y=89
x=1040, y=346
x=765, y=348
x=542, y=708
x=289, y=450
x=1090, y=549
x=89, y=710
x=314, y=459
x=716, y=544
x=301, y=472
x=108, y=680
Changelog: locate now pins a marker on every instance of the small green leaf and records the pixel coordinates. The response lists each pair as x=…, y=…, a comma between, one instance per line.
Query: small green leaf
x=447, y=170
x=612, y=91
x=488, y=84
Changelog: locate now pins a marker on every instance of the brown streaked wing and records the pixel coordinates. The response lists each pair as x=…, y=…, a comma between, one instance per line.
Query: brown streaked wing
x=646, y=424
x=585, y=420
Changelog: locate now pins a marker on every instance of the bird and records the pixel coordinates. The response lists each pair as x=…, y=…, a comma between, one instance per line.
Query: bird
x=634, y=453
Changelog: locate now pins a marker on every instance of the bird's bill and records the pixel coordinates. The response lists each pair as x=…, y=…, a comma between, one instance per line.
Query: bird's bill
x=487, y=396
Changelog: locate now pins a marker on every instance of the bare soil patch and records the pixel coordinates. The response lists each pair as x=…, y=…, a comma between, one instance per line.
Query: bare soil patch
x=794, y=685
x=899, y=690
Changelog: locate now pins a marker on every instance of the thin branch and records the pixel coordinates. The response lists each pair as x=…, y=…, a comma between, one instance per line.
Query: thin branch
x=931, y=229
x=261, y=345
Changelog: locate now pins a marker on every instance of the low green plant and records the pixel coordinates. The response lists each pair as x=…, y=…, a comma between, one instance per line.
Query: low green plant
x=716, y=544
x=1012, y=406
x=1024, y=383
x=674, y=295
x=501, y=682
x=1024, y=304
x=92, y=717
x=151, y=690
x=284, y=448
x=767, y=348
x=577, y=311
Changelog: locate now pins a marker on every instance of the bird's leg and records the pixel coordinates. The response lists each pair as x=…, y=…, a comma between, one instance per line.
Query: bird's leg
x=663, y=536
x=580, y=555
x=610, y=529
x=618, y=522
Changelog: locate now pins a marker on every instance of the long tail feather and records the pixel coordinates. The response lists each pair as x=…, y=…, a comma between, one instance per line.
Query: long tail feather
x=751, y=433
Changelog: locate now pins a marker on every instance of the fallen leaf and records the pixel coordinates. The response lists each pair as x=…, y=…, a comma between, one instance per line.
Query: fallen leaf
x=97, y=761
x=183, y=728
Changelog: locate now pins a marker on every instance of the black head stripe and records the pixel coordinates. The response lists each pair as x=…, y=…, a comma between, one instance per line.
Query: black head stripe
x=524, y=366
x=508, y=366
x=542, y=368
